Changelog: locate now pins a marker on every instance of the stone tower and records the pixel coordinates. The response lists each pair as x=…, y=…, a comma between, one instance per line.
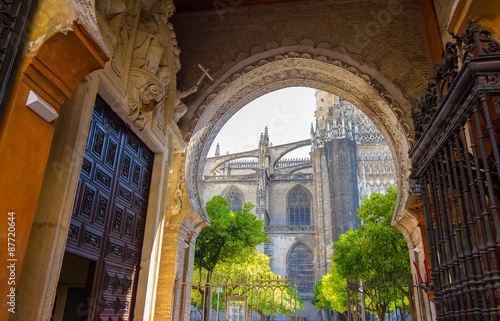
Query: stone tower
x=335, y=135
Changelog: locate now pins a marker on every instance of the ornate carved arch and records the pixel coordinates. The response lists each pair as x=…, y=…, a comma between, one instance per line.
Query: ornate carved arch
x=313, y=67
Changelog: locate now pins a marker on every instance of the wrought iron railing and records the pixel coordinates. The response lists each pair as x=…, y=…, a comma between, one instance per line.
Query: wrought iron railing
x=386, y=297
x=455, y=168
x=245, y=297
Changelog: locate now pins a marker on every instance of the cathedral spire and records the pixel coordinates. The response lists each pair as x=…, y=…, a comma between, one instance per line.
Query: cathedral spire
x=217, y=150
x=264, y=138
x=261, y=170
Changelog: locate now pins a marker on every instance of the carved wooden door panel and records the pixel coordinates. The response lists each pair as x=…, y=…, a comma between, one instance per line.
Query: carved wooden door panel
x=107, y=225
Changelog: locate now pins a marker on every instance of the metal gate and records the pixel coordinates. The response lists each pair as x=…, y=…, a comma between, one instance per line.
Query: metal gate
x=456, y=173
x=386, y=298
x=242, y=297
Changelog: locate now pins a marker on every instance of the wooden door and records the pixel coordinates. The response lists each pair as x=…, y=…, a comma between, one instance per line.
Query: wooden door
x=109, y=213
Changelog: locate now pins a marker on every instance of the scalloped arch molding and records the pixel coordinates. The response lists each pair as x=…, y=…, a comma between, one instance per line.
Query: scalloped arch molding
x=332, y=70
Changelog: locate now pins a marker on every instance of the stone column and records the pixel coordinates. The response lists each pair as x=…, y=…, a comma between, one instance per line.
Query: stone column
x=321, y=212
x=181, y=228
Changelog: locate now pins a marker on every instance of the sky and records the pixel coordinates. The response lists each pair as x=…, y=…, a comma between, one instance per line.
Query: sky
x=288, y=113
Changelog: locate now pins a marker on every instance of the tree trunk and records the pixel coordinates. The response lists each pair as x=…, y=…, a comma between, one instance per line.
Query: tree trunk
x=207, y=298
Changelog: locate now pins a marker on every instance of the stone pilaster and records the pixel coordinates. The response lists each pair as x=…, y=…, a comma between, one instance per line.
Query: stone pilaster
x=321, y=206
x=181, y=228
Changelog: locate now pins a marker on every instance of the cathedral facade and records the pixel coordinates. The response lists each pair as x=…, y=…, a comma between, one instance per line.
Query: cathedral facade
x=307, y=203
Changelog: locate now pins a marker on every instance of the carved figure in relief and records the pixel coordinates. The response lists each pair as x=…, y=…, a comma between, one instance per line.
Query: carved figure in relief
x=112, y=11
x=149, y=75
x=180, y=109
x=163, y=11
x=148, y=49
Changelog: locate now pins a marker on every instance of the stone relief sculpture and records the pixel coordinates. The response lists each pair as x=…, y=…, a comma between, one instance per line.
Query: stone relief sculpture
x=149, y=74
x=161, y=13
x=148, y=49
x=116, y=19
x=180, y=109
x=154, y=58
x=111, y=10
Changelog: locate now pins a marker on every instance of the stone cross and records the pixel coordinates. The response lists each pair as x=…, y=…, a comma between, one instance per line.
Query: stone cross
x=205, y=73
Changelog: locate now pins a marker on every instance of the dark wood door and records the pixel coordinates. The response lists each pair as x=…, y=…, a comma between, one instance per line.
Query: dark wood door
x=107, y=224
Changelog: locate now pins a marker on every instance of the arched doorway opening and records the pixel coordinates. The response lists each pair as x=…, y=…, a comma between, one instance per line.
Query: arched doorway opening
x=281, y=72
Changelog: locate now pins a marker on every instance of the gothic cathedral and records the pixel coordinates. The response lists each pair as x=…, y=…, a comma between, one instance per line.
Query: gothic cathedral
x=307, y=202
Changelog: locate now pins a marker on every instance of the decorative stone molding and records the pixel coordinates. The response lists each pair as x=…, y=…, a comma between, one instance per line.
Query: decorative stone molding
x=176, y=135
x=230, y=178
x=175, y=205
x=162, y=12
x=290, y=229
x=290, y=176
x=145, y=92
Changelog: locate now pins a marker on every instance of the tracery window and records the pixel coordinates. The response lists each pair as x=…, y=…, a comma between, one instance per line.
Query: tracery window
x=234, y=197
x=300, y=266
x=299, y=207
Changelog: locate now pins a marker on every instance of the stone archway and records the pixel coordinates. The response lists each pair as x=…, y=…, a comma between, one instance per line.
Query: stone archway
x=257, y=76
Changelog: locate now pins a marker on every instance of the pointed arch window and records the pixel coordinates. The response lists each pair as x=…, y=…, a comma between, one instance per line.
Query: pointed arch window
x=233, y=196
x=300, y=265
x=299, y=207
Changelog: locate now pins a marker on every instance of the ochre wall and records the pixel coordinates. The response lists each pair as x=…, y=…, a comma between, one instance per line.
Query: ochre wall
x=455, y=15
x=433, y=31
x=25, y=138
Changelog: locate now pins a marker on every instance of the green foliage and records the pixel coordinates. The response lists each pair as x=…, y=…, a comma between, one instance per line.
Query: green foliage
x=329, y=292
x=231, y=236
x=378, y=208
x=371, y=252
x=319, y=300
x=376, y=248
